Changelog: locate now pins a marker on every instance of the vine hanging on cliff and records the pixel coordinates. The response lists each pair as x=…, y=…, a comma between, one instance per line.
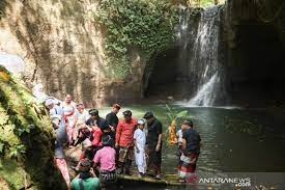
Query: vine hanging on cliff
x=147, y=25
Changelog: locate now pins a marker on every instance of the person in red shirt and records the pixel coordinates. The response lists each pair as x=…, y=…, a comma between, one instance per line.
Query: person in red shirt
x=124, y=141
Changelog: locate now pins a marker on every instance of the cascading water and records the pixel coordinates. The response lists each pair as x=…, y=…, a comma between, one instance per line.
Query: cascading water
x=203, y=60
x=206, y=94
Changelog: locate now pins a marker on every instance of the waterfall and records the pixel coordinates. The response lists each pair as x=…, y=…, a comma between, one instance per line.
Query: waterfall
x=206, y=95
x=204, y=67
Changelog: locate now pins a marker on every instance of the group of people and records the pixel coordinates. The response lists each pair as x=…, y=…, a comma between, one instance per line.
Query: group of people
x=109, y=145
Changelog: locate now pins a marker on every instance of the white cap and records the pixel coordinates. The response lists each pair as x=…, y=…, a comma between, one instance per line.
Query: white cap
x=49, y=102
x=141, y=121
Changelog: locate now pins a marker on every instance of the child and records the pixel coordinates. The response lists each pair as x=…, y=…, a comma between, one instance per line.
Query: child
x=139, y=142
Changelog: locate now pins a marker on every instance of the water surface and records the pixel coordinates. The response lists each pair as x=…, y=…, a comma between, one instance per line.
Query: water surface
x=233, y=140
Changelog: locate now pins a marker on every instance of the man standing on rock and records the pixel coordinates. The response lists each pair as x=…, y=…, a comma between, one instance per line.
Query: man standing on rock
x=154, y=143
x=124, y=141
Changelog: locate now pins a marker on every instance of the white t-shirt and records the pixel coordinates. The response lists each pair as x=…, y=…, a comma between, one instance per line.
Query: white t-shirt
x=82, y=117
x=179, y=134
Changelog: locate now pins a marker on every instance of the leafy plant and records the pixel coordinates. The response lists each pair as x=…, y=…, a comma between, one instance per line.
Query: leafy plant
x=17, y=151
x=204, y=3
x=173, y=116
x=142, y=24
x=1, y=147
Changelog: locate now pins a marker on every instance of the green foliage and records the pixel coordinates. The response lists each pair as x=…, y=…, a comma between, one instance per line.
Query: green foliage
x=25, y=131
x=3, y=4
x=173, y=115
x=17, y=151
x=204, y=3
x=143, y=24
x=1, y=147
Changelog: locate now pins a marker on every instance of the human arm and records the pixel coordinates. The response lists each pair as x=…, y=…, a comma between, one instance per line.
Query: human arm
x=118, y=134
x=199, y=139
x=97, y=133
x=92, y=172
x=159, y=133
x=96, y=160
x=136, y=146
x=135, y=143
x=183, y=144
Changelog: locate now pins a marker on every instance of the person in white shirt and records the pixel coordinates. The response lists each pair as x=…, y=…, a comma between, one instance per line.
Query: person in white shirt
x=82, y=113
x=139, y=142
x=53, y=107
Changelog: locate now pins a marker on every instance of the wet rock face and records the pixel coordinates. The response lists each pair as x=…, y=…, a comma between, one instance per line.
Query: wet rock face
x=63, y=47
x=255, y=41
x=26, y=139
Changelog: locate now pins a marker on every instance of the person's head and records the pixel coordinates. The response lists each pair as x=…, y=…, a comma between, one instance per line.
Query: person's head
x=49, y=104
x=149, y=117
x=116, y=108
x=187, y=124
x=68, y=99
x=127, y=115
x=141, y=124
x=84, y=166
x=94, y=113
x=107, y=140
x=80, y=108
x=105, y=127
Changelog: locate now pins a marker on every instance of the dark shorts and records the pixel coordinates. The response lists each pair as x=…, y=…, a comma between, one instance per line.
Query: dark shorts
x=126, y=153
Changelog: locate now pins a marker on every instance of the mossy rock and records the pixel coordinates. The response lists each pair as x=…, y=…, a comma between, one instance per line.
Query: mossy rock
x=26, y=139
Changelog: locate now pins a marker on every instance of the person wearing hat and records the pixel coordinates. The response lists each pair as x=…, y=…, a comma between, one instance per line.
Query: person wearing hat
x=124, y=141
x=139, y=142
x=105, y=159
x=154, y=143
x=191, y=142
x=54, y=109
x=86, y=179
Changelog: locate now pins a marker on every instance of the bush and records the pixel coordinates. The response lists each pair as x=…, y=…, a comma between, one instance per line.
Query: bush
x=147, y=25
